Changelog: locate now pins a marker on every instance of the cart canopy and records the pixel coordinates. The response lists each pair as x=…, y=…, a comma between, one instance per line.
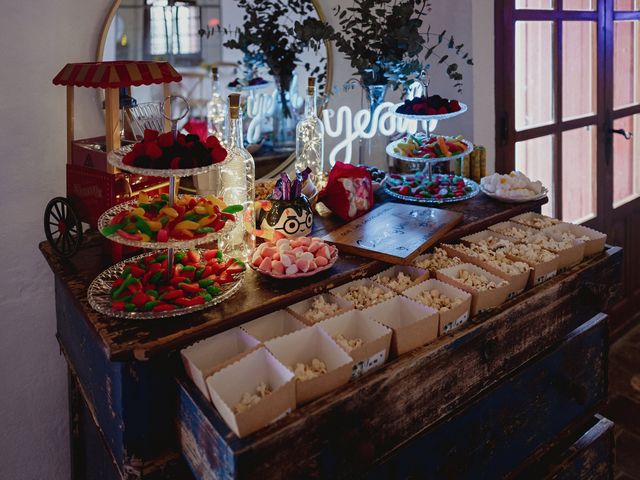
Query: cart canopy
x=116, y=74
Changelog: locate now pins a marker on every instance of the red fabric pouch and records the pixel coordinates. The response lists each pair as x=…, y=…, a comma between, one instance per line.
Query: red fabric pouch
x=349, y=193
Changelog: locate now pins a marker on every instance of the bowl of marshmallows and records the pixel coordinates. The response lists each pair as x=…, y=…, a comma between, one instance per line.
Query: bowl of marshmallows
x=514, y=187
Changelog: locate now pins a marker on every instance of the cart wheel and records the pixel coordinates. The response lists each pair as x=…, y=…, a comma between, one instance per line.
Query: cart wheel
x=62, y=227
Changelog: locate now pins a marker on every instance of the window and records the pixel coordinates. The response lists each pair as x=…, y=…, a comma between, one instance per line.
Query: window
x=172, y=28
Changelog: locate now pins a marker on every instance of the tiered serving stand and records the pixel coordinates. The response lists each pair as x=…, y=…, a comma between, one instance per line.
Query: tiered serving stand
x=472, y=187
x=99, y=293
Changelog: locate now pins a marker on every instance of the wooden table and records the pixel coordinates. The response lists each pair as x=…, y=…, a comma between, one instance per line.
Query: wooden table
x=416, y=415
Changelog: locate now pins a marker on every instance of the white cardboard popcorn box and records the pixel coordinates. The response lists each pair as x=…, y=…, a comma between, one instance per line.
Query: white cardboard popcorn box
x=303, y=346
x=567, y=257
x=432, y=271
x=529, y=219
x=376, y=339
x=300, y=310
x=413, y=324
x=542, y=271
x=204, y=358
x=273, y=325
x=227, y=386
x=517, y=281
x=485, y=235
x=502, y=226
x=481, y=300
x=416, y=275
x=342, y=290
x=596, y=240
x=449, y=319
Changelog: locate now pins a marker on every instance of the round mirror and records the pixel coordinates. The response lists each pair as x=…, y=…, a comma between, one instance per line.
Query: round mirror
x=194, y=36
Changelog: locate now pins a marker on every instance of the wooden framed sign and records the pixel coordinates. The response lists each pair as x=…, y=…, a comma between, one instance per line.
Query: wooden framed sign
x=394, y=232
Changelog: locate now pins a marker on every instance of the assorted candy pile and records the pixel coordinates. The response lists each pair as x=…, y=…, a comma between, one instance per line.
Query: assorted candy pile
x=160, y=151
x=421, y=146
x=290, y=257
x=153, y=220
x=197, y=278
x=433, y=105
x=418, y=186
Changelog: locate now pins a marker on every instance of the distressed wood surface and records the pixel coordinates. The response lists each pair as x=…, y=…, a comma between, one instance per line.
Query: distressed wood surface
x=132, y=403
x=124, y=339
x=582, y=451
x=498, y=431
x=414, y=391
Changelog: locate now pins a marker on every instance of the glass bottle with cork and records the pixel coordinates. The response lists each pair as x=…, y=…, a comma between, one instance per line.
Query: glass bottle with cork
x=216, y=107
x=310, y=136
x=237, y=185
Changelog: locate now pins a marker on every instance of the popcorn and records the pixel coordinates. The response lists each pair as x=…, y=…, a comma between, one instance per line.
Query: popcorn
x=436, y=260
x=348, y=344
x=496, y=259
x=250, y=399
x=536, y=221
x=476, y=281
x=438, y=301
x=303, y=371
x=494, y=242
x=572, y=236
x=514, y=185
x=400, y=282
x=549, y=243
x=321, y=309
x=531, y=252
x=511, y=231
x=364, y=296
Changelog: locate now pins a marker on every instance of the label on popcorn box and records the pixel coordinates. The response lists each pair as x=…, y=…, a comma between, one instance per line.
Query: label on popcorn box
x=456, y=323
x=374, y=361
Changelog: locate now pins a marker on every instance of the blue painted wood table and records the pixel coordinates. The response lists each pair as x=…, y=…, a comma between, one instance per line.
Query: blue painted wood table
x=513, y=393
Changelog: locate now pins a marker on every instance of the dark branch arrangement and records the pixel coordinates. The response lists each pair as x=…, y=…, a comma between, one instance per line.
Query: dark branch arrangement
x=386, y=44
x=272, y=33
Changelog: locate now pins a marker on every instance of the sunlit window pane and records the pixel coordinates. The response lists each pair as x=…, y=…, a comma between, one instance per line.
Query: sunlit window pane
x=626, y=160
x=534, y=74
x=535, y=4
x=626, y=58
x=579, y=49
x=627, y=5
x=535, y=159
x=579, y=174
x=579, y=4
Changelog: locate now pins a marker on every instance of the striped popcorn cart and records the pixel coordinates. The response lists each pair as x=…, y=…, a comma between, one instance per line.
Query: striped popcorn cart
x=94, y=185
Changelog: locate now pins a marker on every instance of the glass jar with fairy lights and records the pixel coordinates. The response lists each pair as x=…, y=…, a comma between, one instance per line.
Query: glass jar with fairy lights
x=237, y=184
x=310, y=136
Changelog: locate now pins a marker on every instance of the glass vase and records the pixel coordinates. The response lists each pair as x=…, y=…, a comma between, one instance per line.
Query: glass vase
x=284, y=117
x=372, y=150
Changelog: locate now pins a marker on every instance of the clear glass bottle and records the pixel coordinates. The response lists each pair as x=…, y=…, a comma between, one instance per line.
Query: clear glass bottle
x=310, y=136
x=237, y=185
x=216, y=107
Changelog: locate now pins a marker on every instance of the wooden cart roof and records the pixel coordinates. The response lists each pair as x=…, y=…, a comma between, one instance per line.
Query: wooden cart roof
x=116, y=74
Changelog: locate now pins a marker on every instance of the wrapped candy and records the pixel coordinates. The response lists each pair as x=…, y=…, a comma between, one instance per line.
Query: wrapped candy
x=349, y=191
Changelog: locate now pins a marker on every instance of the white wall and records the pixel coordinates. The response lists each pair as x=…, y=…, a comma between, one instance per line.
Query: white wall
x=39, y=38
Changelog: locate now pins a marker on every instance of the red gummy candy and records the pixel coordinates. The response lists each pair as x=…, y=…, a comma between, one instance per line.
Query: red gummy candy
x=212, y=142
x=175, y=163
x=165, y=140
x=181, y=139
x=150, y=135
x=218, y=155
x=153, y=150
